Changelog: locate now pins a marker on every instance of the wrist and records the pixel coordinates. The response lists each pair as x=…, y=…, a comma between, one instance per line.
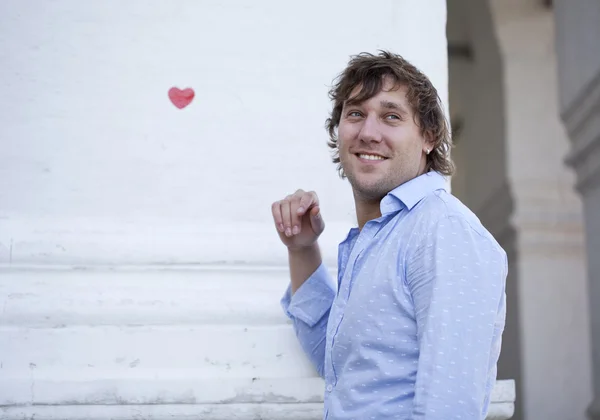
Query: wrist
x=303, y=250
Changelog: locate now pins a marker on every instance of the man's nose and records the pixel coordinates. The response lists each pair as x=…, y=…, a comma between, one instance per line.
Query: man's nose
x=370, y=130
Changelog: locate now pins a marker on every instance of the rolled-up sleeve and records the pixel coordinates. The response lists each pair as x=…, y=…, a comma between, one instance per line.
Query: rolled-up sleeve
x=309, y=308
x=456, y=275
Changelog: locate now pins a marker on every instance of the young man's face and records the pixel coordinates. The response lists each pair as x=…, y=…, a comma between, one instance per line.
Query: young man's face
x=380, y=145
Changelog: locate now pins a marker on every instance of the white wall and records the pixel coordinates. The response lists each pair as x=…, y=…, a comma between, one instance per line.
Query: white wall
x=96, y=162
x=140, y=274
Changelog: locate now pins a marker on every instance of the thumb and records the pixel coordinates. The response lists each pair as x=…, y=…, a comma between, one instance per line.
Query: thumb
x=316, y=221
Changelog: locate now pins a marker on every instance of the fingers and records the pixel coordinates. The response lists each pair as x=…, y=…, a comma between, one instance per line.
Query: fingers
x=316, y=221
x=291, y=219
x=288, y=213
x=307, y=201
x=277, y=216
x=285, y=215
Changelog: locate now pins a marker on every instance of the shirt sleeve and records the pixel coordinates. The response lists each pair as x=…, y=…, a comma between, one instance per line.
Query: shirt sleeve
x=309, y=309
x=456, y=275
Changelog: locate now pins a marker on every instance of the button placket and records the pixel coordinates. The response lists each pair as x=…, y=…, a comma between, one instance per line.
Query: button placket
x=365, y=237
x=345, y=285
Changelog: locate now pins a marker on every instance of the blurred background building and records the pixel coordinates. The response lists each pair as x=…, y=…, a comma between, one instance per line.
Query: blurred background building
x=525, y=107
x=140, y=273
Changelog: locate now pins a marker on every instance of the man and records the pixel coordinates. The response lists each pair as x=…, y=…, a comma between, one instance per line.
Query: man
x=413, y=327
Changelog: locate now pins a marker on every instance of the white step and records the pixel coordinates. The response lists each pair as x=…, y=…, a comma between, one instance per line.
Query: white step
x=157, y=342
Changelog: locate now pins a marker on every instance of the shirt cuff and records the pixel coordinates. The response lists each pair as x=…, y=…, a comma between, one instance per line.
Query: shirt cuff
x=312, y=300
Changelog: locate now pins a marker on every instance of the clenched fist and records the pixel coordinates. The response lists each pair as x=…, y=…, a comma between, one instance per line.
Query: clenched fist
x=298, y=219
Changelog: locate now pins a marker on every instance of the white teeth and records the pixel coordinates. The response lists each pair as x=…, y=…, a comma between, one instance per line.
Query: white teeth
x=370, y=157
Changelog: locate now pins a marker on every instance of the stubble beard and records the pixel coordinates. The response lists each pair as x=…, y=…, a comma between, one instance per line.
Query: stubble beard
x=369, y=192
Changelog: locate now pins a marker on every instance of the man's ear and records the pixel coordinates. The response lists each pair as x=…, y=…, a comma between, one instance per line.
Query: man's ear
x=428, y=142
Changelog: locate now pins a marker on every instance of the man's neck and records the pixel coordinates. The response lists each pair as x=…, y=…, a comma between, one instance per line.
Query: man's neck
x=367, y=210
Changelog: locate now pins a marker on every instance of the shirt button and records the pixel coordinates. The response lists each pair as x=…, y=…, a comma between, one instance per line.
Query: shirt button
x=329, y=388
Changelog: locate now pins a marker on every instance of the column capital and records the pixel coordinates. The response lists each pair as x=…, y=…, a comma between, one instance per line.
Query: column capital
x=548, y=222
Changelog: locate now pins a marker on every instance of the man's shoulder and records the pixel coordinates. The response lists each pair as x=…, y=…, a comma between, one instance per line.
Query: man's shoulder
x=440, y=206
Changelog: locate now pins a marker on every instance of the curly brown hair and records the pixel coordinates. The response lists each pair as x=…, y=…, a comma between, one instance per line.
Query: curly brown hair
x=368, y=71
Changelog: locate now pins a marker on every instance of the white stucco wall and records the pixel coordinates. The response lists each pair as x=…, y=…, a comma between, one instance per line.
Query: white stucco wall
x=94, y=151
x=138, y=261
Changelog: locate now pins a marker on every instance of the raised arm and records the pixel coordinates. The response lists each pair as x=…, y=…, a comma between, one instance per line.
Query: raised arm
x=309, y=297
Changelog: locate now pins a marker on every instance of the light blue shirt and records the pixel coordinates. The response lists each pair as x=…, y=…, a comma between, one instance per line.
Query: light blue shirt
x=412, y=329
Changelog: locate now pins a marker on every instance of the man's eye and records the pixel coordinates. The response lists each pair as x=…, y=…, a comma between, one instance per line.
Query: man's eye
x=354, y=114
x=392, y=117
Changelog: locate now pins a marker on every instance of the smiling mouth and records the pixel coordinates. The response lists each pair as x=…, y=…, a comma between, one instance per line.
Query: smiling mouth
x=370, y=157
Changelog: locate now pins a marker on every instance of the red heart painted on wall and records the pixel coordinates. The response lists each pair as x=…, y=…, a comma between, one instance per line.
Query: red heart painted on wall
x=181, y=98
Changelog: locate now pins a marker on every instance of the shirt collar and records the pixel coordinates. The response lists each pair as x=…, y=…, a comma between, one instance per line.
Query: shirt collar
x=411, y=192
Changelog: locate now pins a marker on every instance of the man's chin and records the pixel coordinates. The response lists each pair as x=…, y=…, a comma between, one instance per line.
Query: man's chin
x=369, y=189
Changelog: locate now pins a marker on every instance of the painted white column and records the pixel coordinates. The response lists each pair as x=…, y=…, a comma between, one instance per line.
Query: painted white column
x=511, y=153
x=578, y=35
x=549, y=269
x=140, y=274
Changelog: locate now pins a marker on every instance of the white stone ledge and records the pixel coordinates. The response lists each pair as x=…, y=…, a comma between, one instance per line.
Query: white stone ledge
x=88, y=242
x=290, y=411
x=167, y=412
x=192, y=295
x=156, y=342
